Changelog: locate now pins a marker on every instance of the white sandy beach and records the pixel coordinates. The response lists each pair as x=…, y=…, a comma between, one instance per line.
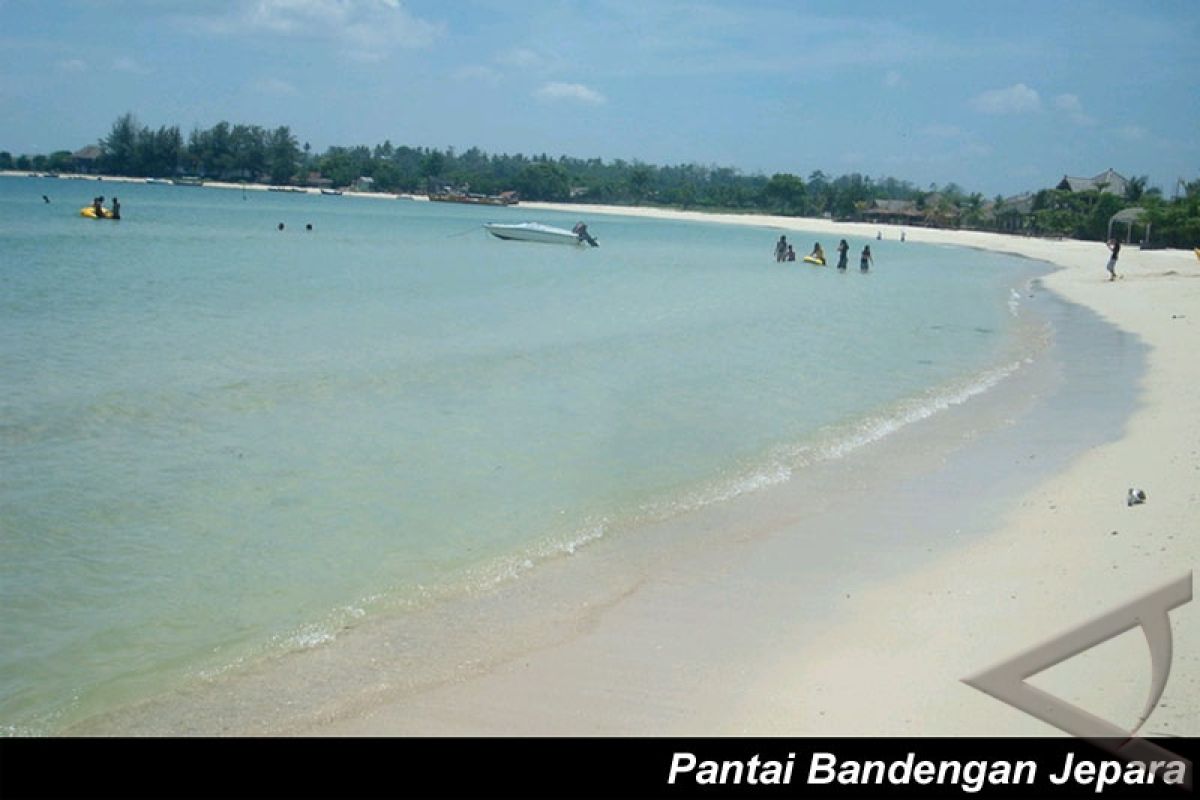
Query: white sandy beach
x=724, y=643
x=728, y=640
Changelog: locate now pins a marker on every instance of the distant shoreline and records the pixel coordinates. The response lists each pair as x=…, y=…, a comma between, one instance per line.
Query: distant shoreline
x=207, y=184
x=985, y=240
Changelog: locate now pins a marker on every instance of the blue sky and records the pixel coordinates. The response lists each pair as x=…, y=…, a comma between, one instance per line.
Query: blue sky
x=998, y=97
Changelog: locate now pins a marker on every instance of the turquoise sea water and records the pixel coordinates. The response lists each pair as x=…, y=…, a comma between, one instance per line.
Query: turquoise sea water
x=220, y=442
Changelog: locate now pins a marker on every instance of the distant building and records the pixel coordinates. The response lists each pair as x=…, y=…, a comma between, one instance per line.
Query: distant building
x=1014, y=213
x=317, y=180
x=940, y=212
x=364, y=184
x=1107, y=182
x=87, y=159
x=894, y=211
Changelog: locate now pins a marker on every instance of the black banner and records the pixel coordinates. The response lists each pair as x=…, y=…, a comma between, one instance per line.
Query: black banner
x=586, y=768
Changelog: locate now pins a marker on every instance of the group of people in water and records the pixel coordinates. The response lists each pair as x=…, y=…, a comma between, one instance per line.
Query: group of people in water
x=100, y=211
x=785, y=252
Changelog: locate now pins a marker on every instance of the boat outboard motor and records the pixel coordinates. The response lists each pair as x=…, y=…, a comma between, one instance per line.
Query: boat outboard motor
x=581, y=231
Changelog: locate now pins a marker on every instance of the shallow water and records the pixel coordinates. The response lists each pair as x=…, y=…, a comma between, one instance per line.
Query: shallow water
x=221, y=441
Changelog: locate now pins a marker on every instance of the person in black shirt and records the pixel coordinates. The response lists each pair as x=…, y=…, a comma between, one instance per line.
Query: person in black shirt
x=1115, y=247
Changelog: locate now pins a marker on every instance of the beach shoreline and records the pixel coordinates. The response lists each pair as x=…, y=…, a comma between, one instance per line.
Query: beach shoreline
x=890, y=660
x=886, y=658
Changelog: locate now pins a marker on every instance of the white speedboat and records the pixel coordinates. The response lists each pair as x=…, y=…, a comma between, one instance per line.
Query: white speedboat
x=533, y=232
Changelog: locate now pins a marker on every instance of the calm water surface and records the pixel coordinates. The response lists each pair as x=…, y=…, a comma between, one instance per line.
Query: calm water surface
x=220, y=441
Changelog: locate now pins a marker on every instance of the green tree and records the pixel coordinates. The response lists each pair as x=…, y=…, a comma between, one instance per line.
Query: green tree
x=785, y=193
x=1136, y=188
x=433, y=165
x=59, y=161
x=639, y=183
x=543, y=181
x=247, y=152
x=282, y=155
x=972, y=208
x=121, y=146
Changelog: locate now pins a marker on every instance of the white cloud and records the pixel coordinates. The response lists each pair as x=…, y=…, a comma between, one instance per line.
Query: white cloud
x=893, y=79
x=367, y=30
x=1070, y=105
x=73, y=65
x=126, y=64
x=275, y=86
x=1016, y=99
x=1133, y=133
x=570, y=91
x=520, y=57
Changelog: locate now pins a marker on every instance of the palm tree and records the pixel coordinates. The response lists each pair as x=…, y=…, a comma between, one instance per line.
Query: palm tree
x=1135, y=188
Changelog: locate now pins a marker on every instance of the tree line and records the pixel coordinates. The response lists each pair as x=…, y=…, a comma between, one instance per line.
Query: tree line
x=241, y=152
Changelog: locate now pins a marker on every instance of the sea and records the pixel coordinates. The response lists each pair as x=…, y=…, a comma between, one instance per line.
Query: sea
x=223, y=443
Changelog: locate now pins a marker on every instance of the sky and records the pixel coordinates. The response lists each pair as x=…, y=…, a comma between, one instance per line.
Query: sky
x=999, y=97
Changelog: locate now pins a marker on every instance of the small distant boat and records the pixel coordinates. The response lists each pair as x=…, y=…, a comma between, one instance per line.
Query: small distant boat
x=535, y=232
x=454, y=196
x=188, y=181
x=159, y=182
x=331, y=192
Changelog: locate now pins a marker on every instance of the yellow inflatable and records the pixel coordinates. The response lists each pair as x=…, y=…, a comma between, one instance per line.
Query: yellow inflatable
x=90, y=212
x=814, y=260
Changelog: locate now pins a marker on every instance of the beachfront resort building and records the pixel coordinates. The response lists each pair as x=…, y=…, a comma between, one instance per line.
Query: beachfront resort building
x=86, y=160
x=1012, y=214
x=1107, y=182
x=899, y=212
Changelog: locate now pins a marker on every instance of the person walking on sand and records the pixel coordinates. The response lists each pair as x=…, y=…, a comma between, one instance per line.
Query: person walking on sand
x=1115, y=247
x=781, y=248
x=843, y=249
x=865, y=260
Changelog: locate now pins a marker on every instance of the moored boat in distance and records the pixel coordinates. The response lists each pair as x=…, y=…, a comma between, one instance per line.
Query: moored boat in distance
x=188, y=181
x=159, y=182
x=537, y=232
x=332, y=192
x=453, y=196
